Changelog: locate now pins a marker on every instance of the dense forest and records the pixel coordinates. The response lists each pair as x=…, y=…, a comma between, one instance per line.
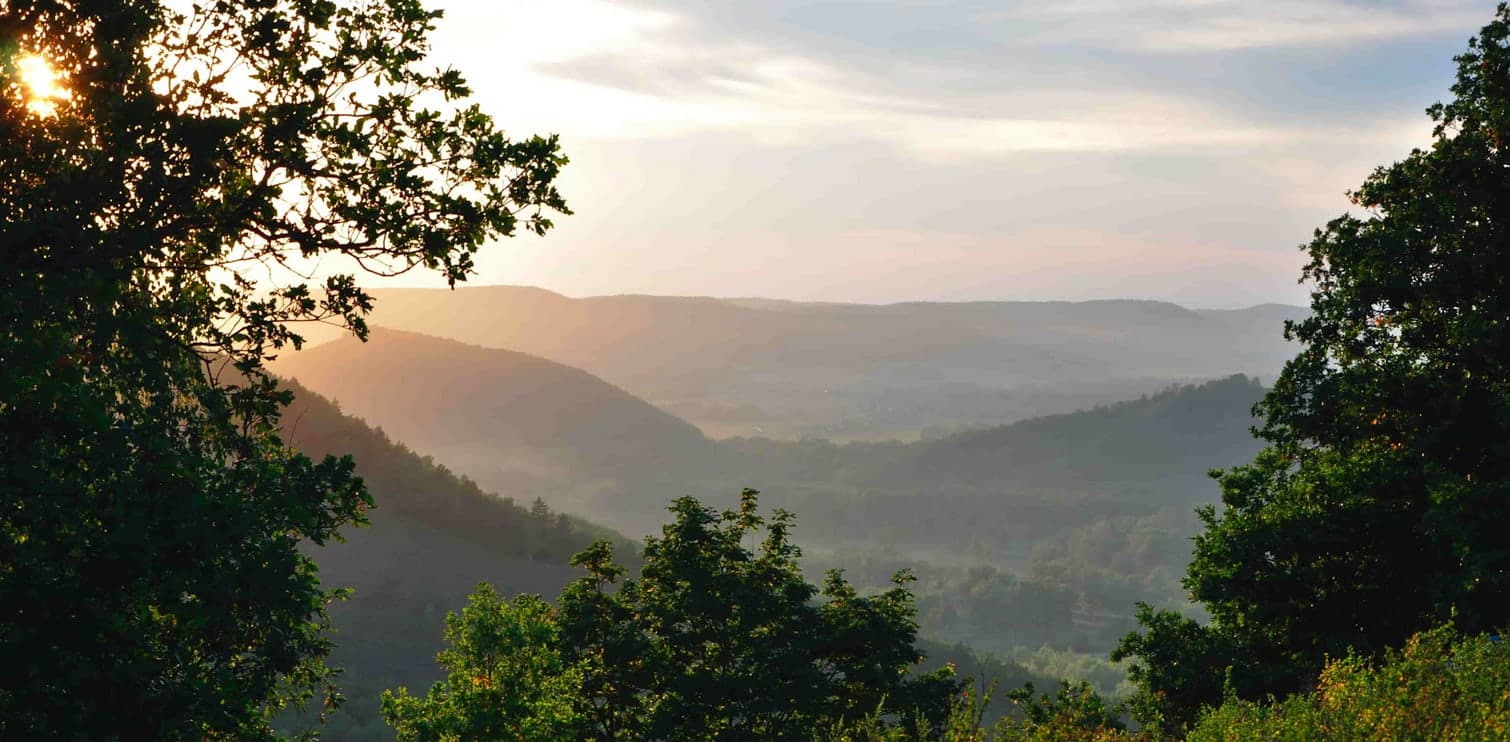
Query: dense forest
x=210, y=529
x=1043, y=532
x=433, y=537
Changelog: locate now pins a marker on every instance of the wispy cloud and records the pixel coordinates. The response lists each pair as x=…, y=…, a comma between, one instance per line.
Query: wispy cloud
x=667, y=89
x=1226, y=26
x=669, y=68
x=967, y=148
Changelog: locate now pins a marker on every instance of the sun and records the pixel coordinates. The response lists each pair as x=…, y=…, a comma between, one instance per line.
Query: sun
x=43, y=89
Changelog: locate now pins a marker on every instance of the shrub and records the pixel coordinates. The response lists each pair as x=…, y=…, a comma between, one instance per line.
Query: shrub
x=1439, y=687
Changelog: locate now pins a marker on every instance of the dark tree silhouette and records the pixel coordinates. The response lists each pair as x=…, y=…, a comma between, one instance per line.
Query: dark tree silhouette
x=1378, y=508
x=158, y=206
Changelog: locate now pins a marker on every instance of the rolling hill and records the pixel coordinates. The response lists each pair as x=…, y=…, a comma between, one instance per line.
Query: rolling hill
x=516, y=423
x=851, y=371
x=1044, y=531
x=532, y=428
x=994, y=494
x=432, y=537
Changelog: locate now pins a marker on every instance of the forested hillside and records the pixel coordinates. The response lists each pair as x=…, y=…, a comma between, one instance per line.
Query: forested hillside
x=514, y=422
x=1002, y=489
x=1046, y=531
x=990, y=493
x=1042, y=532
x=433, y=537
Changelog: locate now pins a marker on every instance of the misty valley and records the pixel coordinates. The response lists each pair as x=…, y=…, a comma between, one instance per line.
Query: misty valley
x=1032, y=531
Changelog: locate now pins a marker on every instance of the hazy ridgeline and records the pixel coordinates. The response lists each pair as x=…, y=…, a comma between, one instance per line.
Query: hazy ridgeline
x=526, y=427
x=851, y=371
x=1040, y=533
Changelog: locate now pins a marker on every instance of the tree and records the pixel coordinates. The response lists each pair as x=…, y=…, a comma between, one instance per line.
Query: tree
x=1377, y=508
x=170, y=174
x=1181, y=667
x=1074, y=713
x=506, y=678
x=716, y=641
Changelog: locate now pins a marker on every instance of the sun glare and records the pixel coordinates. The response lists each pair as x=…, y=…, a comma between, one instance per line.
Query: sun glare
x=43, y=90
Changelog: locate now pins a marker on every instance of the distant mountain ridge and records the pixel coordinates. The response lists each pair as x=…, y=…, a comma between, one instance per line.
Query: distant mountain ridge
x=530, y=428
x=1043, y=530
x=788, y=369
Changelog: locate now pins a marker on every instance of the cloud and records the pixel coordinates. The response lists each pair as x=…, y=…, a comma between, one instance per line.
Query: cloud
x=513, y=34
x=1033, y=77
x=671, y=88
x=951, y=148
x=1227, y=26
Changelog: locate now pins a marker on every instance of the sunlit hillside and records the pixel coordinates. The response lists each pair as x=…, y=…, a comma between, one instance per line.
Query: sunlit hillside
x=850, y=371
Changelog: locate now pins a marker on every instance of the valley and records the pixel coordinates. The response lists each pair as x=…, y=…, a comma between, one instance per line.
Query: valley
x=842, y=372
x=1030, y=539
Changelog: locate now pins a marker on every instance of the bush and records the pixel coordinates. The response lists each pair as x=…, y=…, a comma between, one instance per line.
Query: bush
x=1075, y=713
x=1439, y=687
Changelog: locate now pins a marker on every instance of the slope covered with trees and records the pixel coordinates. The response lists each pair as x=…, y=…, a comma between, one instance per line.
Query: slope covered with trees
x=432, y=536
x=521, y=424
x=1000, y=490
x=516, y=423
x=1046, y=531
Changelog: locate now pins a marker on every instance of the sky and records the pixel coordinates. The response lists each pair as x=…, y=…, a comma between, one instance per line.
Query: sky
x=946, y=150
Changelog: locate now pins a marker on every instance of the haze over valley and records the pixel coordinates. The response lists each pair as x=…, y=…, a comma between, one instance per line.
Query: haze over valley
x=780, y=369
x=1036, y=503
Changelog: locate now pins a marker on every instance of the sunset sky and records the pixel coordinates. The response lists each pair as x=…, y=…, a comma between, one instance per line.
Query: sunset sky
x=943, y=150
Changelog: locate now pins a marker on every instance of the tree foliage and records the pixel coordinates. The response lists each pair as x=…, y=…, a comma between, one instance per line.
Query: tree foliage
x=1440, y=685
x=1074, y=713
x=716, y=639
x=1377, y=508
x=159, y=215
x=506, y=678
